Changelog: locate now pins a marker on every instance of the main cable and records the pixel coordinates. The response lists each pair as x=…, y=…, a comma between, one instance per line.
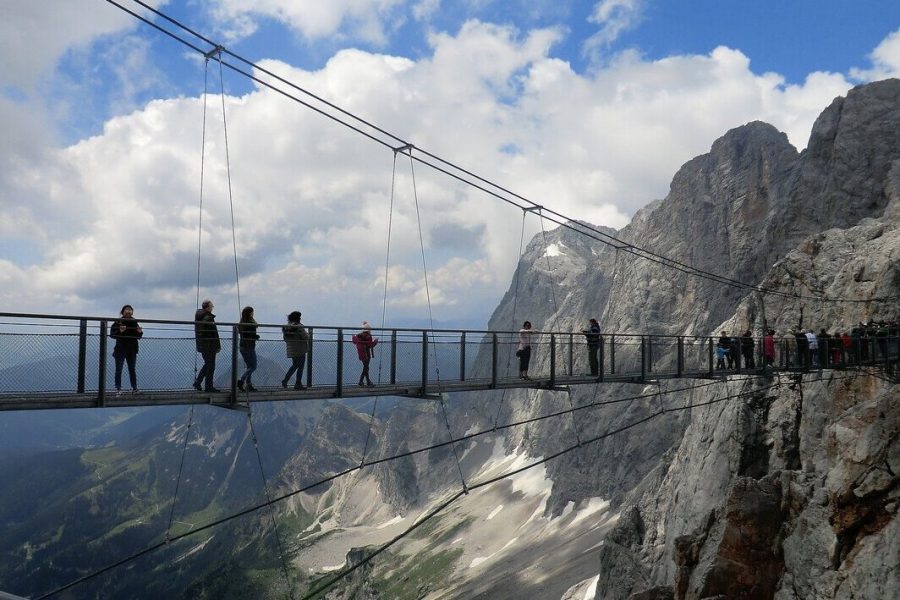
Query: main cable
x=589, y=230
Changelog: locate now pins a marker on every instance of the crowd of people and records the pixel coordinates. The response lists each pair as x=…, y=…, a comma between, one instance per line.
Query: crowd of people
x=126, y=331
x=805, y=348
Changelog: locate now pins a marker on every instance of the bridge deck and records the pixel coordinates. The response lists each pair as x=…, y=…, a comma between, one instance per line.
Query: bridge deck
x=60, y=362
x=225, y=399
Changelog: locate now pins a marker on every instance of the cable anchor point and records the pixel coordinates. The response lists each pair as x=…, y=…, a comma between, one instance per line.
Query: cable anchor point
x=217, y=50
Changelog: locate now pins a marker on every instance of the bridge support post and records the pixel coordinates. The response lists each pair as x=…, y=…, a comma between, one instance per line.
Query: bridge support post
x=649, y=348
x=571, y=354
x=600, y=358
x=339, y=368
x=612, y=355
x=552, y=359
x=424, y=362
x=462, y=356
x=309, y=358
x=393, y=356
x=235, y=335
x=643, y=358
x=82, y=353
x=680, y=359
x=709, y=353
x=494, y=356
x=101, y=366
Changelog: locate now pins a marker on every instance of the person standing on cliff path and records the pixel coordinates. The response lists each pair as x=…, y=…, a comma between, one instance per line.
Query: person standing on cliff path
x=206, y=335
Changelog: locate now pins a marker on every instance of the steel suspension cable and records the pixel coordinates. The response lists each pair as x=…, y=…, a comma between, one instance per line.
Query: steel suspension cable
x=237, y=278
x=494, y=189
x=187, y=434
x=515, y=305
x=437, y=368
x=387, y=263
x=262, y=472
x=340, y=474
x=202, y=172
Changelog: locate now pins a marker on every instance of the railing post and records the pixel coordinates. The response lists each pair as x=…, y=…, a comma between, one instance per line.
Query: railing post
x=424, y=362
x=101, y=367
x=571, y=354
x=82, y=353
x=393, y=356
x=494, y=356
x=552, y=359
x=600, y=359
x=649, y=348
x=710, y=356
x=462, y=356
x=309, y=358
x=612, y=355
x=339, y=377
x=680, y=359
x=234, y=362
x=643, y=358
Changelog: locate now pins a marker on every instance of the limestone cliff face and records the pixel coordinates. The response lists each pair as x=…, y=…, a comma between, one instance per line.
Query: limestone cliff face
x=791, y=492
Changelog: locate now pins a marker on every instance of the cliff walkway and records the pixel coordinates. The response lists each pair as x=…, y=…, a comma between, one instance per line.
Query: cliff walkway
x=60, y=362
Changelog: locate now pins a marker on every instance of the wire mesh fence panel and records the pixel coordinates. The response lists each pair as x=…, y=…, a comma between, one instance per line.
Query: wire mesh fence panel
x=626, y=351
x=38, y=362
x=697, y=354
x=663, y=354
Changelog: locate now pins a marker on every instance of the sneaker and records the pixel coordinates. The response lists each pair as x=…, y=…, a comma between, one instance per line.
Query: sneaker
x=284, y=383
x=299, y=386
x=197, y=386
x=118, y=393
x=240, y=384
x=250, y=388
x=135, y=391
x=212, y=390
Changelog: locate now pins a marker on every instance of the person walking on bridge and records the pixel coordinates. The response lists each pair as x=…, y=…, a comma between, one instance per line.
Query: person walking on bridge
x=206, y=335
x=296, y=340
x=524, y=350
x=365, y=350
x=592, y=333
x=126, y=331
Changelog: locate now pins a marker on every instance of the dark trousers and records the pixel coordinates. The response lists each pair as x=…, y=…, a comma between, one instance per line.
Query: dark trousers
x=524, y=358
x=365, y=372
x=592, y=359
x=249, y=356
x=208, y=370
x=297, y=364
x=131, y=359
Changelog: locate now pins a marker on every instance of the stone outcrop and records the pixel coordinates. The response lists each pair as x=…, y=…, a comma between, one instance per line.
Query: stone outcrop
x=793, y=492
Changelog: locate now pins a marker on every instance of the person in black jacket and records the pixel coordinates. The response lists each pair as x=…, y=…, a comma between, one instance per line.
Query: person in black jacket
x=247, y=331
x=207, y=336
x=747, y=347
x=592, y=333
x=126, y=331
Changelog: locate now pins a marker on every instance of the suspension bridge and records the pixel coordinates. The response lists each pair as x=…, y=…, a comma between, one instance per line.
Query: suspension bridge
x=64, y=362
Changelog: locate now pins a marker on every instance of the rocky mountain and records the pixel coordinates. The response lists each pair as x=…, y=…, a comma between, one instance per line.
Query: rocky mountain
x=781, y=487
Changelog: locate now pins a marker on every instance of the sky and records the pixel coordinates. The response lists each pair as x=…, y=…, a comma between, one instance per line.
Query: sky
x=586, y=107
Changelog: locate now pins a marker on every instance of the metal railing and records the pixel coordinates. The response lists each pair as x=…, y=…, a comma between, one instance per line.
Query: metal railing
x=52, y=355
